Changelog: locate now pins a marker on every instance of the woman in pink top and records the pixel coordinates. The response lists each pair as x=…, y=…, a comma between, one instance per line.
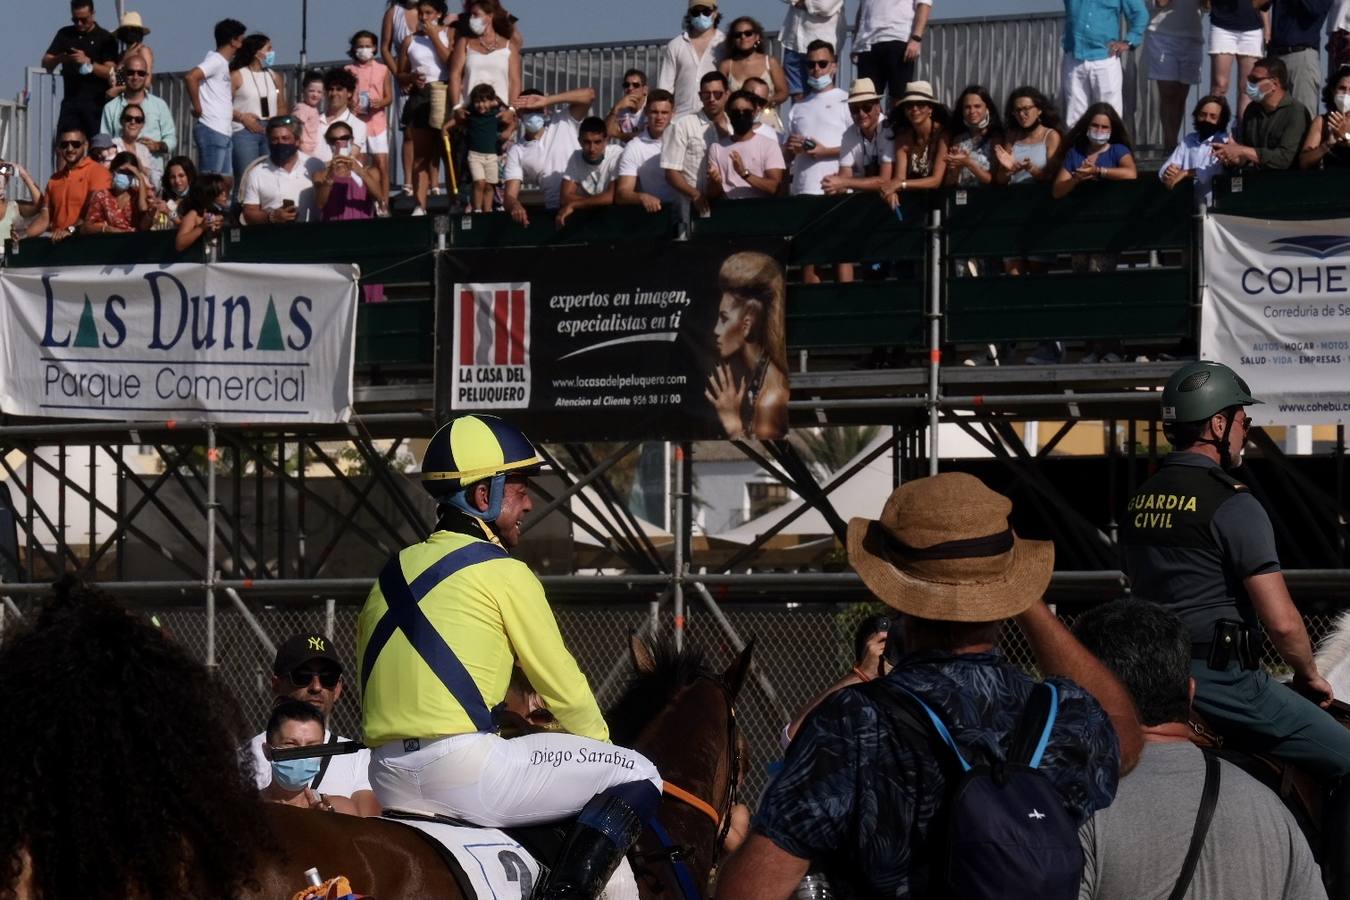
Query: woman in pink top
x=374, y=94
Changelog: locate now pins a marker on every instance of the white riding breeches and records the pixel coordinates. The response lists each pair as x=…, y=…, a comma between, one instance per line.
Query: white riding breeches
x=488, y=780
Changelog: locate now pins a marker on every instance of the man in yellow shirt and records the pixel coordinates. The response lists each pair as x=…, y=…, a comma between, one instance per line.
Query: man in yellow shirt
x=436, y=641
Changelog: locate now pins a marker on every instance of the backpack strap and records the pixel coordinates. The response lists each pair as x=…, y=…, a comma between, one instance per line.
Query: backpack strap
x=1032, y=735
x=940, y=728
x=1209, y=798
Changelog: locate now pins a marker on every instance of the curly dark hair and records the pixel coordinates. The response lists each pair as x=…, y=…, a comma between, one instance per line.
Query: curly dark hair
x=121, y=773
x=1077, y=136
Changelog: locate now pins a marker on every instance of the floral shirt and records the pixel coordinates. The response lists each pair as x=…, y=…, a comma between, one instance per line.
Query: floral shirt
x=104, y=208
x=858, y=794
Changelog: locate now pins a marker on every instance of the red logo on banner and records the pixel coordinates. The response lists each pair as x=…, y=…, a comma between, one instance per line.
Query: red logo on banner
x=492, y=327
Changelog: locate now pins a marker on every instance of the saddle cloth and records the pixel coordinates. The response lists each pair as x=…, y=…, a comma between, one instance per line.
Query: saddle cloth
x=494, y=866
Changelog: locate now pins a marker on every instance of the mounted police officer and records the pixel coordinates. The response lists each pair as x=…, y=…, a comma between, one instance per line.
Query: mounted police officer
x=1197, y=541
x=436, y=642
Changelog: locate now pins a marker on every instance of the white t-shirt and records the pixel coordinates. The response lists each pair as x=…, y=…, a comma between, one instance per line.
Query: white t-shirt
x=823, y=117
x=217, y=96
x=346, y=774
x=543, y=160
x=860, y=153
x=324, y=152
x=885, y=20
x=268, y=184
x=593, y=179
x=642, y=157
x=684, y=147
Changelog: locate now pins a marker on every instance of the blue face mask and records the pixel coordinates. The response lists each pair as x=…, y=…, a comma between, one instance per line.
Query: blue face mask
x=280, y=154
x=295, y=774
x=122, y=182
x=533, y=122
x=819, y=82
x=1254, y=91
x=269, y=59
x=701, y=23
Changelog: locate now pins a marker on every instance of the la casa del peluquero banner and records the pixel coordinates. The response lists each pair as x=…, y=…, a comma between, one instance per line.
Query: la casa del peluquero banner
x=662, y=340
x=191, y=342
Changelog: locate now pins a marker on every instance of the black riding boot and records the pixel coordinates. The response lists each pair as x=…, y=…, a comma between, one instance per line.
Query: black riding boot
x=604, y=831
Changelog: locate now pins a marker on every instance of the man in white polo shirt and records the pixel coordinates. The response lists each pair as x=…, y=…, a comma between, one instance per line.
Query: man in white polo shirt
x=307, y=669
x=550, y=140
x=641, y=178
x=867, y=153
x=280, y=188
x=684, y=149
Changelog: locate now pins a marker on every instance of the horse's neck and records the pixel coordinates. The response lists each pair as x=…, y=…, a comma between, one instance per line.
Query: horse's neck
x=1333, y=656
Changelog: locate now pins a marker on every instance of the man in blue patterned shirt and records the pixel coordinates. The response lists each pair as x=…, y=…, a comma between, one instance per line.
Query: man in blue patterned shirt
x=858, y=795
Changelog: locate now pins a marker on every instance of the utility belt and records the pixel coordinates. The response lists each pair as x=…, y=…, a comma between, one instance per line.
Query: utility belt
x=1232, y=641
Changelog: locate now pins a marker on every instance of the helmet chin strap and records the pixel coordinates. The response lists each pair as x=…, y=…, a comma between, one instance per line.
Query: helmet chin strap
x=1221, y=443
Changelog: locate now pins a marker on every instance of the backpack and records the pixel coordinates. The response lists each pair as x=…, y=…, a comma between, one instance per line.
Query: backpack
x=1002, y=830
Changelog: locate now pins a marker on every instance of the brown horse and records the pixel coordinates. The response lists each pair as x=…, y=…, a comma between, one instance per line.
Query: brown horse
x=674, y=712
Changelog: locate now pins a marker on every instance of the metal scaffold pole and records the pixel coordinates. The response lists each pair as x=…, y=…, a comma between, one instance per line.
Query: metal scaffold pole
x=211, y=454
x=934, y=332
x=677, y=562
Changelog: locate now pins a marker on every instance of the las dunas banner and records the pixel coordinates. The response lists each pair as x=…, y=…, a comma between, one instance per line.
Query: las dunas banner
x=191, y=342
x=661, y=341
x=1277, y=309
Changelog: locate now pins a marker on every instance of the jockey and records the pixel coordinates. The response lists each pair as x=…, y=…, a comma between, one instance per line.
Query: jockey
x=1197, y=541
x=436, y=642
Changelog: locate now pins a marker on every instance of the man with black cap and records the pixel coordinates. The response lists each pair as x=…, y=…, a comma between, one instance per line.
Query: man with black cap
x=860, y=791
x=306, y=668
x=1197, y=541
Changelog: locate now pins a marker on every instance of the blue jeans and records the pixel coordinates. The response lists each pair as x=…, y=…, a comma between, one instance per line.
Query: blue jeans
x=245, y=147
x=794, y=67
x=213, y=150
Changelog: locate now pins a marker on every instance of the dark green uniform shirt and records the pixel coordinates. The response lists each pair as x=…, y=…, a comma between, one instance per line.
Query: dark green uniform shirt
x=1190, y=535
x=1277, y=134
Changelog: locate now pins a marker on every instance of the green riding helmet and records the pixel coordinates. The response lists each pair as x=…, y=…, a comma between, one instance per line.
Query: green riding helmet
x=1198, y=390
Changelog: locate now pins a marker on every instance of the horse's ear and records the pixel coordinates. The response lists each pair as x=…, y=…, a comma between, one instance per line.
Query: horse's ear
x=734, y=677
x=641, y=654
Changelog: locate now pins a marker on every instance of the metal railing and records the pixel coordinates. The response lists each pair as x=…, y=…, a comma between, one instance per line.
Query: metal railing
x=999, y=52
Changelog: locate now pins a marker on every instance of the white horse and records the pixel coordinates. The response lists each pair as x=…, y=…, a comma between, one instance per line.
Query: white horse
x=1333, y=657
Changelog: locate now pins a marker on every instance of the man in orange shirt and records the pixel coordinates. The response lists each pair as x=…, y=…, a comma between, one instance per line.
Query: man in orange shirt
x=69, y=188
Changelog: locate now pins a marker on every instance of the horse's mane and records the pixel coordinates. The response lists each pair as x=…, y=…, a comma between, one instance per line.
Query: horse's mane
x=649, y=692
x=1333, y=652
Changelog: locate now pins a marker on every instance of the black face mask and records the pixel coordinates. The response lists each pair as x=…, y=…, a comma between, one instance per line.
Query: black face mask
x=742, y=120
x=1206, y=129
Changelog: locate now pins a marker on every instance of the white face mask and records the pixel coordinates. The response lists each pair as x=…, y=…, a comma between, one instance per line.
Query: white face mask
x=1343, y=103
x=365, y=54
x=982, y=124
x=478, y=25
x=1099, y=136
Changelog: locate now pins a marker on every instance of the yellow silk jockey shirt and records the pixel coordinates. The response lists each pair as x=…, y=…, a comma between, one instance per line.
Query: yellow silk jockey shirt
x=490, y=614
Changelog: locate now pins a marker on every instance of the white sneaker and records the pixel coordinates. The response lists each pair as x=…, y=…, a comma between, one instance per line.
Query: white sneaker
x=988, y=358
x=436, y=192
x=419, y=211
x=406, y=190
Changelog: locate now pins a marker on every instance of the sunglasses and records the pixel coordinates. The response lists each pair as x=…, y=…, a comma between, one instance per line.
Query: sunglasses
x=862, y=109
x=133, y=120
x=633, y=85
x=81, y=20
x=701, y=11
x=712, y=95
x=138, y=72
x=817, y=63
x=743, y=34
x=1252, y=79
x=328, y=678
x=70, y=145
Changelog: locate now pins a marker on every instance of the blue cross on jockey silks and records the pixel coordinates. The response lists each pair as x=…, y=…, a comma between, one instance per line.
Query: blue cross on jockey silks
x=404, y=614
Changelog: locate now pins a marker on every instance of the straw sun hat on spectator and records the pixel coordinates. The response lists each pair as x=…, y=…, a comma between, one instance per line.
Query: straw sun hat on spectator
x=132, y=20
x=943, y=550
x=864, y=90
x=711, y=4
x=918, y=92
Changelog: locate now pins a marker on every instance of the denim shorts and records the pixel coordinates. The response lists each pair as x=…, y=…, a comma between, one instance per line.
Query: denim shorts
x=794, y=66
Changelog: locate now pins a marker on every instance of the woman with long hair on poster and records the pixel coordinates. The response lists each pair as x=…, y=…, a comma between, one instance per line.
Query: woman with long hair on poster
x=748, y=387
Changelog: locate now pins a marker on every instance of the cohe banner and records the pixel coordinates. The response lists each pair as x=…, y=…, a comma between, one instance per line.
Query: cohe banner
x=1277, y=309
x=662, y=341
x=226, y=342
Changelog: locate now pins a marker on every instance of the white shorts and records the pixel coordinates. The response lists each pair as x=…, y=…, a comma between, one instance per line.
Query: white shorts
x=1237, y=43
x=1171, y=58
x=378, y=143
x=490, y=781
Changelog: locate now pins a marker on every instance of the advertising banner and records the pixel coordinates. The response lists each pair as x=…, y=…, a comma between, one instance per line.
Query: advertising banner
x=1277, y=309
x=659, y=341
x=201, y=343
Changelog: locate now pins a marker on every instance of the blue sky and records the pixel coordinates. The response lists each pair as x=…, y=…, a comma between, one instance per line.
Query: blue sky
x=181, y=29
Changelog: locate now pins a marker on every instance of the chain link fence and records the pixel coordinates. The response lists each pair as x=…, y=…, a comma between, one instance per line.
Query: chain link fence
x=800, y=648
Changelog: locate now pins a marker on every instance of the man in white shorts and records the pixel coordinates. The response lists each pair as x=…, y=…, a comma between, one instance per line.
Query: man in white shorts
x=1173, y=52
x=306, y=668
x=1091, y=71
x=641, y=178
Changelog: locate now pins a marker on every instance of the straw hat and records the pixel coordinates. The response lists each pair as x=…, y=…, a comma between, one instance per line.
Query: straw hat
x=918, y=92
x=711, y=4
x=943, y=550
x=132, y=20
x=862, y=91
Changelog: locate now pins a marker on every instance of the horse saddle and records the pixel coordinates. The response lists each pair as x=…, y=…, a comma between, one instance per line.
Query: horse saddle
x=503, y=864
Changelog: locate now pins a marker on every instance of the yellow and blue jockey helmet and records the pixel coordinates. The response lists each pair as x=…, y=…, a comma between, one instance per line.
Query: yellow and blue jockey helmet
x=474, y=448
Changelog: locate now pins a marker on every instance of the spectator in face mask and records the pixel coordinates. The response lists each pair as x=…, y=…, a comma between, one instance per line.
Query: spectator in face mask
x=122, y=207
x=816, y=129
x=551, y=137
x=1327, y=144
x=294, y=724
x=259, y=93
x=1274, y=124
x=748, y=165
x=1194, y=157
x=697, y=51
x=1099, y=150
x=374, y=95
x=970, y=158
x=280, y=188
x=588, y=180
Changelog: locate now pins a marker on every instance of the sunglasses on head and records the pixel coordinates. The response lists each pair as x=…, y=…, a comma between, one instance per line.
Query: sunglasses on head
x=817, y=63
x=328, y=678
x=70, y=145
x=134, y=120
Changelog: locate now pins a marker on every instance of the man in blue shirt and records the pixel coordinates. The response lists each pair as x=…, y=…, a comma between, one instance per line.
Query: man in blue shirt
x=1091, y=71
x=1295, y=33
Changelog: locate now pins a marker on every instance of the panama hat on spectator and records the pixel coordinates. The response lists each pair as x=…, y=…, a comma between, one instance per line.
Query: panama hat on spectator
x=943, y=550
x=863, y=90
x=132, y=20
x=918, y=92
x=711, y=4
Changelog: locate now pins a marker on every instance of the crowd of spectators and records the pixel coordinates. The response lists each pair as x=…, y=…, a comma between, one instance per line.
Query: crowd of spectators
x=722, y=119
